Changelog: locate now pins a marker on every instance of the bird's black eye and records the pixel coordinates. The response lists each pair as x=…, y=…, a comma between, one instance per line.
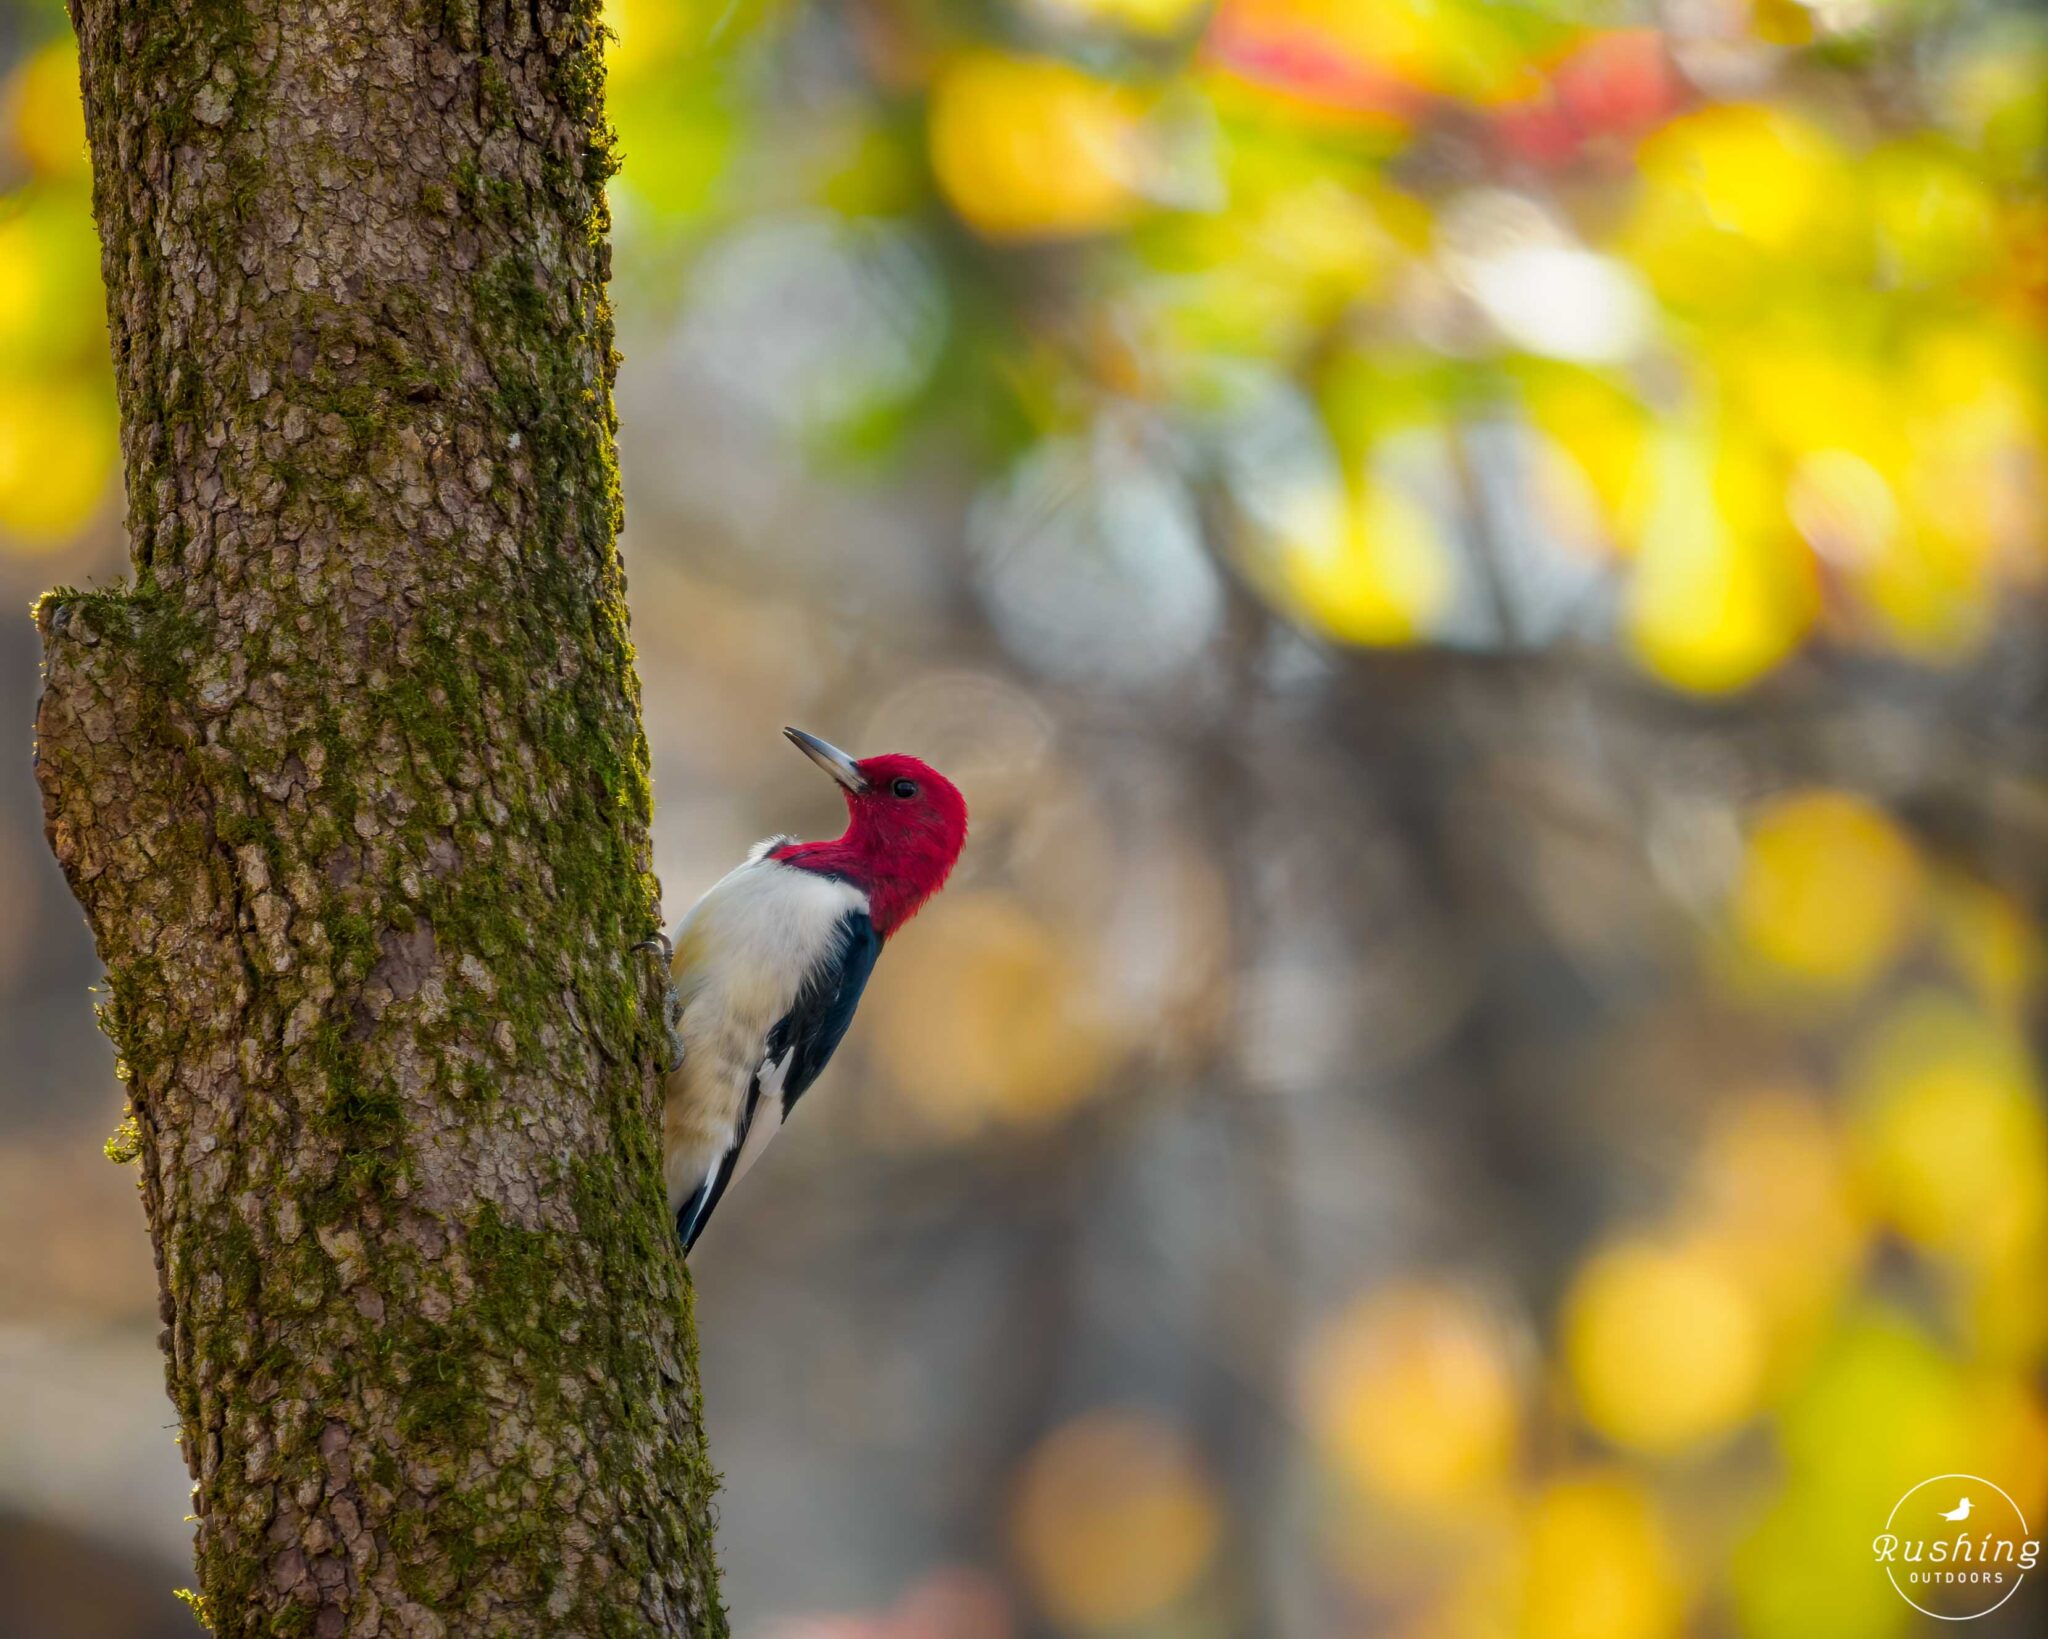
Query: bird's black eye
x=905, y=788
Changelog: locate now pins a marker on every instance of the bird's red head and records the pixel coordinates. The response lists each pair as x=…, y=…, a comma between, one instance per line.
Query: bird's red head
x=906, y=826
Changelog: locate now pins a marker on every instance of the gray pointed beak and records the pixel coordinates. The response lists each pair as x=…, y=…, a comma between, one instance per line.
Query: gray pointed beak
x=828, y=757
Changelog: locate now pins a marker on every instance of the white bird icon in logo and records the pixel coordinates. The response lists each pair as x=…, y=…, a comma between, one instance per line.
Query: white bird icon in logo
x=1960, y=1511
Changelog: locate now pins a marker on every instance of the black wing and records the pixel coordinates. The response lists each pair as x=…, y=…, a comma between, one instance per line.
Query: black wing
x=797, y=1050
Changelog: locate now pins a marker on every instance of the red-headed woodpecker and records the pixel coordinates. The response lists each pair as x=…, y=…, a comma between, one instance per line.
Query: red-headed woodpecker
x=769, y=965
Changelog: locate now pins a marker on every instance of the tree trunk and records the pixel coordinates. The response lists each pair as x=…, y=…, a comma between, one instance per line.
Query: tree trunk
x=352, y=786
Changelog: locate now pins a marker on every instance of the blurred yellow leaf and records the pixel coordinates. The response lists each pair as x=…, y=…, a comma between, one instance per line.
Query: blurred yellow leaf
x=1974, y=475
x=1288, y=254
x=52, y=314
x=1883, y=1409
x=1371, y=567
x=1599, y=1563
x=1951, y=1137
x=1722, y=592
x=1936, y=219
x=672, y=158
x=1664, y=1348
x=1412, y=1392
x=1330, y=235
x=1762, y=173
x=1771, y=1203
x=643, y=35
x=1727, y=192
x=1830, y=889
x=666, y=38
x=1998, y=1307
x=1032, y=148
x=1881, y=1371
x=1982, y=366
x=876, y=174
x=1782, y=22
x=1605, y=431
x=1930, y=599
x=1115, y=1520
x=58, y=446
x=45, y=113
x=678, y=109
x=1926, y=586
x=986, y=1016
x=1799, y=390
x=2010, y=1410
x=1992, y=942
x=1804, y=1570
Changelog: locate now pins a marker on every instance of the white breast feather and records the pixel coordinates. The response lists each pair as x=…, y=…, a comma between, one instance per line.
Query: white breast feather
x=741, y=954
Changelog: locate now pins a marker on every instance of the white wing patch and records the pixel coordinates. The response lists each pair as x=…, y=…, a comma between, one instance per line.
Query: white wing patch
x=768, y=1113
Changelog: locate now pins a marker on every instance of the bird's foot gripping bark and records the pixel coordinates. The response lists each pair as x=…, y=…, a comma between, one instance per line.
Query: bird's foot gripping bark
x=671, y=1003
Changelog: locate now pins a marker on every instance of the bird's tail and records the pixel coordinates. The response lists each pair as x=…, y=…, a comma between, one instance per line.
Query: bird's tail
x=695, y=1213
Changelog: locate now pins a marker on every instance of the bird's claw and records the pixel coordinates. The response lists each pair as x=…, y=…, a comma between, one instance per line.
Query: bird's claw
x=671, y=1003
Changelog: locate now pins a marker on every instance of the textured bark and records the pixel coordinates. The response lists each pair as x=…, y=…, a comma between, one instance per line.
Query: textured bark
x=352, y=787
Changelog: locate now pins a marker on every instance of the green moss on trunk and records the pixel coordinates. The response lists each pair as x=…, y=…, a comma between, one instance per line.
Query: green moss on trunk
x=352, y=786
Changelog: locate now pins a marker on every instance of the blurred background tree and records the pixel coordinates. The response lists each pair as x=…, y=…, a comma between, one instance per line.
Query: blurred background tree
x=1480, y=567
